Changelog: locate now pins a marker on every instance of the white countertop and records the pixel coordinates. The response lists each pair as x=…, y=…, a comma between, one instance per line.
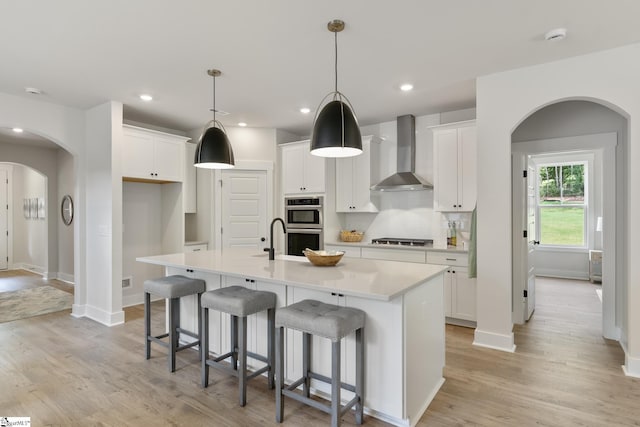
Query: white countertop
x=368, y=244
x=374, y=279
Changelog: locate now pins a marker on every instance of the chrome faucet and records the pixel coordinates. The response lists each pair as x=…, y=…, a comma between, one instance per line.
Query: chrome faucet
x=272, y=252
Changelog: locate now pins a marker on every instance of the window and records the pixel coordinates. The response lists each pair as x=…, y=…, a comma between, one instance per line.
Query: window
x=562, y=204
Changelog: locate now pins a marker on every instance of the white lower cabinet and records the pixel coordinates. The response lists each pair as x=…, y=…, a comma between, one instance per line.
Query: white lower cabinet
x=349, y=251
x=403, y=255
x=459, y=289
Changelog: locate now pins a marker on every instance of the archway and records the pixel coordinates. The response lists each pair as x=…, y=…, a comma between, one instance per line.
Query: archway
x=571, y=127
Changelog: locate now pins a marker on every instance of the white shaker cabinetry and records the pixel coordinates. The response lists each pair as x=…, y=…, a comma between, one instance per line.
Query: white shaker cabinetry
x=354, y=177
x=459, y=289
x=455, y=170
x=150, y=155
x=189, y=185
x=302, y=172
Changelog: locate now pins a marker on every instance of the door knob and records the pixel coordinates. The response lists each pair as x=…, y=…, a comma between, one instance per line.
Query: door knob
x=262, y=239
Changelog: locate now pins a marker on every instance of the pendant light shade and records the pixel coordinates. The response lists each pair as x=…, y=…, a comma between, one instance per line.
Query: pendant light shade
x=336, y=132
x=214, y=149
x=335, y=129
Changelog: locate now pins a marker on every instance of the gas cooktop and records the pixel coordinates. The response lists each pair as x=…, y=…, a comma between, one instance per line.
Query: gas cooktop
x=402, y=241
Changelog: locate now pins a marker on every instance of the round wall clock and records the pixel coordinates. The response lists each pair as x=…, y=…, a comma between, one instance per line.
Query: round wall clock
x=66, y=209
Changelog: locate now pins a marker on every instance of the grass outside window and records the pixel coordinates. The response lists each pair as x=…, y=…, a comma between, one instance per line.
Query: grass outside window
x=562, y=226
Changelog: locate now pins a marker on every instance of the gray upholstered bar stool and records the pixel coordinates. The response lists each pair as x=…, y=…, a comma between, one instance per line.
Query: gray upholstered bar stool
x=328, y=321
x=171, y=288
x=239, y=302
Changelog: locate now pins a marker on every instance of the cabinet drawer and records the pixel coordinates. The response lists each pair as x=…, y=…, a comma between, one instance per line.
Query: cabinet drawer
x=394, y=255
x=349, y=251
x=448, y=258
x=195, y=248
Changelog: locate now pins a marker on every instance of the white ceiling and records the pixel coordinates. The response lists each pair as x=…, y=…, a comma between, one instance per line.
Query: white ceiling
x=277, y=56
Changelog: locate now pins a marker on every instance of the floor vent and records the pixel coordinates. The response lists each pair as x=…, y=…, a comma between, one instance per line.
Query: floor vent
x=126, y=282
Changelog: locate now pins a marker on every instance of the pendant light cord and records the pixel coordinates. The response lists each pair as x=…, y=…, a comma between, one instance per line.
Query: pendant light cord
x=214, y=99
x=336, y=59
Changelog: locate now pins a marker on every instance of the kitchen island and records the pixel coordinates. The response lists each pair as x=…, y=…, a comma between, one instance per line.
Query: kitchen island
x=404, y=331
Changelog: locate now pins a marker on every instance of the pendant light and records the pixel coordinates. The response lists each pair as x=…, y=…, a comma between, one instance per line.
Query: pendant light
x=335, y=130
x=214, y=149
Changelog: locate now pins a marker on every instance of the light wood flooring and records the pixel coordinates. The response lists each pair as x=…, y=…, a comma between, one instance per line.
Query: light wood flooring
x=15, y=280
x=62, y=371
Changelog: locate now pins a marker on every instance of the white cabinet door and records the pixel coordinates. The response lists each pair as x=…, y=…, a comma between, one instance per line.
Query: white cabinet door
x=404, y=255
x=445, y=184
x=137, y=155
x=455, y=167
x=464, y=294
x=467, y=168
x=448, y=293
x=354, y=177
x=301, y=171
x=168, y=159
x=349, y=251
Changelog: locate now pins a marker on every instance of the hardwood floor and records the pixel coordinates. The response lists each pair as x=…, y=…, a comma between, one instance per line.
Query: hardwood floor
x=15, y=280
x=62, y=371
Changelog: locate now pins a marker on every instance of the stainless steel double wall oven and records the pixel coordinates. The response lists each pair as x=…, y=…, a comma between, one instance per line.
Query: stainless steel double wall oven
x=303, y=217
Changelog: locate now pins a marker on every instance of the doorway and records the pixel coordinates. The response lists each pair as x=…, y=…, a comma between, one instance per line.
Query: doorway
x=605, y=152
x=4, y=218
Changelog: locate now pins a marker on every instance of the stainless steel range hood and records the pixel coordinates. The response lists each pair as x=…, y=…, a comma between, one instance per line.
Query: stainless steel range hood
x=405, y=179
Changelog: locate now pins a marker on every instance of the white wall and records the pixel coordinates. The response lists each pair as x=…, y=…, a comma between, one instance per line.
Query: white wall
x=28, y=234
x=66, y=184
x=503, y=101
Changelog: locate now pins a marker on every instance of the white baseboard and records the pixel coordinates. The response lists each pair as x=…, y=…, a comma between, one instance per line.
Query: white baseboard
x=64, y=277
x=494, y=341
x=29, y=267
x=104, y=317
x=562, y=274
x=631, y=367
x=135, y=299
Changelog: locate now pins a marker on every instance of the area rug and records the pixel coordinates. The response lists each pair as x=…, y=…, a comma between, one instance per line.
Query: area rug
x=33, y=302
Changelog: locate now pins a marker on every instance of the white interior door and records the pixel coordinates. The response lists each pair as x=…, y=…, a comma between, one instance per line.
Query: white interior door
x=4, y=220
x=532, y=232
x=244, y=209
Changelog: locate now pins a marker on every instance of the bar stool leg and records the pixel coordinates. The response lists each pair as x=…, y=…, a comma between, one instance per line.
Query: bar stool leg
x=306, y=362
x=335, y=384
x=199, y=326
x=271, y=326
x=204, y=344
x=359, y=374
x=242, y=355
x=279, y=373
x=174, y=319
x=234, y=341
x=147, y=324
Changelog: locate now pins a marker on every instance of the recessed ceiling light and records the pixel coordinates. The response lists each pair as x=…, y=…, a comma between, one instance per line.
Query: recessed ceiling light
x=146, y=97
x=305, y=110
x=242, y=124
x=33, y=90
x=406, y=87
x=556, y=34
x=18, y=130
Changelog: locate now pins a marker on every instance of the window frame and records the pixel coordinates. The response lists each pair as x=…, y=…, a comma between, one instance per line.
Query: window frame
x=587, y=159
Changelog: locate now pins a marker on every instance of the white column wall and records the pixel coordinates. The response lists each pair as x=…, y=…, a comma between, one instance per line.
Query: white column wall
x=503, y=101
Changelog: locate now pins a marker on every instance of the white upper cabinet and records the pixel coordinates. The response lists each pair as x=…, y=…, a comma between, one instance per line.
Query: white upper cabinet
x=152, y=156
x=302, y=172
x=455, y=167
x=355, y=176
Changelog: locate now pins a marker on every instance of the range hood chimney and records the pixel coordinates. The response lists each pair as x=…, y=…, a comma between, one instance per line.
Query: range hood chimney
x=405, y=179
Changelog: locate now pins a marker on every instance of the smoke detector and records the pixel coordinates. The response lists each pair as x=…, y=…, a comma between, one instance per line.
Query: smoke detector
x=556, y=34
x=33, y=90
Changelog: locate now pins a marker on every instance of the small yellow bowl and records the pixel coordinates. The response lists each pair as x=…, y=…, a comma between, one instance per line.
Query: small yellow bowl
x=323, y=258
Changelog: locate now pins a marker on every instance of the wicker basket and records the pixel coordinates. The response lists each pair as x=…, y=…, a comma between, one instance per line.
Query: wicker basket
x=351, y=236
x=323, y=258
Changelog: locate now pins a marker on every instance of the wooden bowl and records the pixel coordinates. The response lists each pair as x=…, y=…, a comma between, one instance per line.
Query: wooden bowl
x=323, y=258
x=351, y=236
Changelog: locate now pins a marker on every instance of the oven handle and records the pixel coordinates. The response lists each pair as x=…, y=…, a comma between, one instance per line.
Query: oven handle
x=302, y=207
x=305, y=231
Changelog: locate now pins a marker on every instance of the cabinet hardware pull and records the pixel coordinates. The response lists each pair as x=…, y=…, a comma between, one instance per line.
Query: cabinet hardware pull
x=451, y=259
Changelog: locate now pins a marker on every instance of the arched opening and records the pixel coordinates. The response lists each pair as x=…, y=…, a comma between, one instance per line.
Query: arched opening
x=559, y=136
x=41, y=172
